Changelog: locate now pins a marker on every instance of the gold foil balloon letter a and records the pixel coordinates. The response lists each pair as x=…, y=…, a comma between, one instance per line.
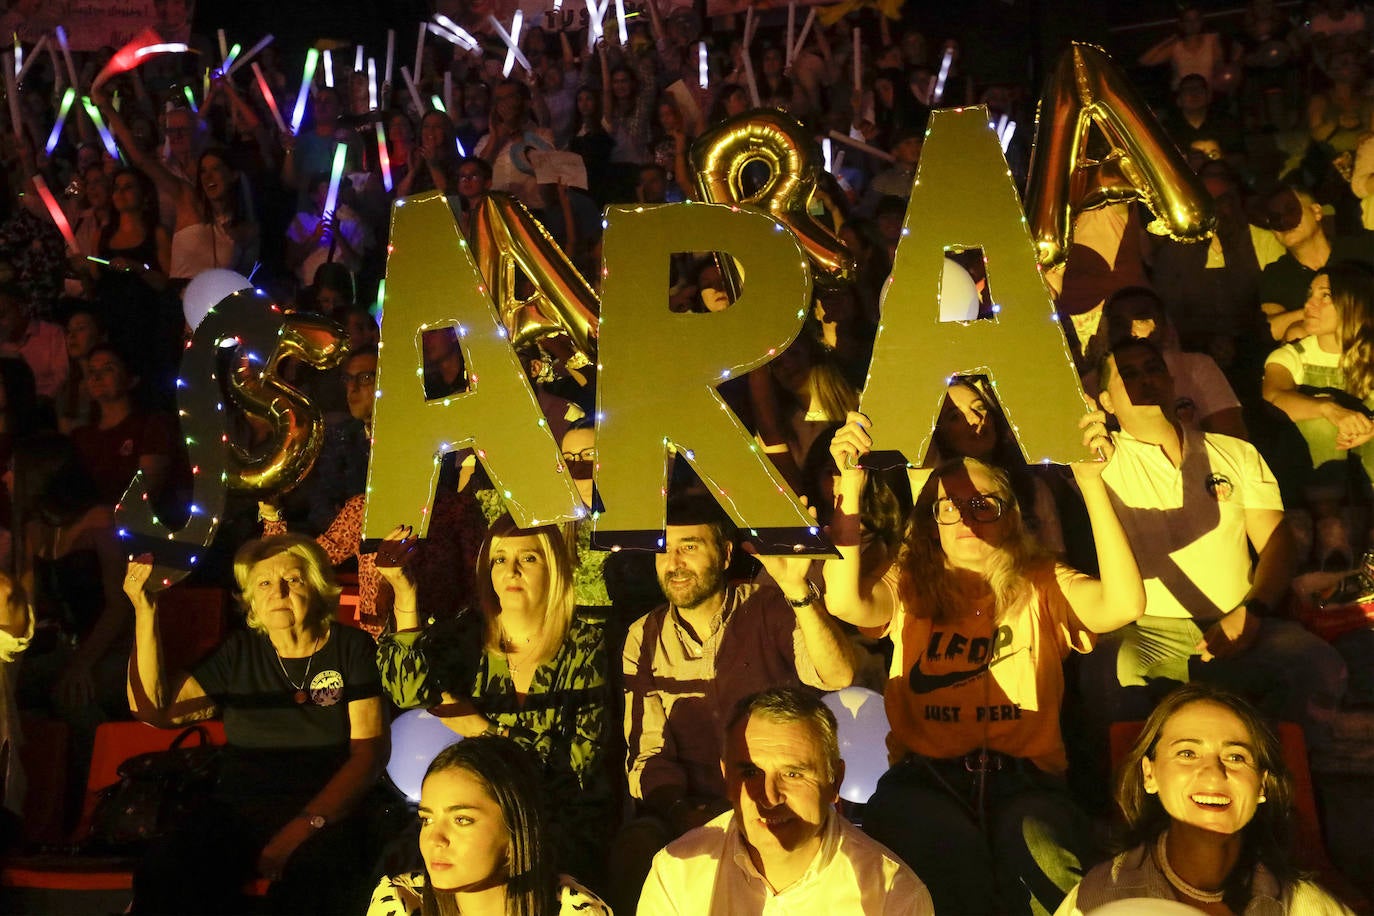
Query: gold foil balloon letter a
x=1138, y=161
x=964, y=198
x=433, y=283
x=659, y=371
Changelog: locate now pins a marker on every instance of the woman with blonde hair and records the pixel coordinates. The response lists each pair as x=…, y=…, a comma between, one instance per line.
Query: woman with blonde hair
x=981, y=618
x=535, y=670
x=306, y=736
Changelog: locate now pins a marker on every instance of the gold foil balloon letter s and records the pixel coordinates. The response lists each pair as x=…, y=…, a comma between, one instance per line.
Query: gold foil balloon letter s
x=255, y=387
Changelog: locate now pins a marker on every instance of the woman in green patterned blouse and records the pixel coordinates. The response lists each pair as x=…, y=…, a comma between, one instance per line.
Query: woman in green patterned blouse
x=540, y=676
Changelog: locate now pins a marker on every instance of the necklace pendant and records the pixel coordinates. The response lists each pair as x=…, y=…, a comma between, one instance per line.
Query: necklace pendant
x=300, y=697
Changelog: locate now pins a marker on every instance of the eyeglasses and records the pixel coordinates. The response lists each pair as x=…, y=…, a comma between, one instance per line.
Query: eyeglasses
x=469, y=177
x=587, y=455
x=360, y=379
x=949, y=510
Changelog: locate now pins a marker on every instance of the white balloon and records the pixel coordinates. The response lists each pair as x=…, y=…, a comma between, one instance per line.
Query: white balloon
x=207, y=289
x=959, y=300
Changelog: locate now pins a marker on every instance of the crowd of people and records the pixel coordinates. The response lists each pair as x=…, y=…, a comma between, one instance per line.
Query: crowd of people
x=651, y=725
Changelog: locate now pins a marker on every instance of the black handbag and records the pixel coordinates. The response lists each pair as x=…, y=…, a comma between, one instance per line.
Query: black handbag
x=154, y=791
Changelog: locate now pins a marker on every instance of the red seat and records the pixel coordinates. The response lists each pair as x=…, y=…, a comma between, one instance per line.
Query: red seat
x=115, y=742
x=1310, y=846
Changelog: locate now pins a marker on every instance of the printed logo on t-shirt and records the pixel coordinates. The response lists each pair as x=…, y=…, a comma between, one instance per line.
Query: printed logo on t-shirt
x=326, y=688
x=1221, y=488
x=981, y=651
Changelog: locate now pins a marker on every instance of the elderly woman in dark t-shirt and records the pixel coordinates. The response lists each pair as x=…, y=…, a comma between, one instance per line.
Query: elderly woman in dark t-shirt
x=302, y=709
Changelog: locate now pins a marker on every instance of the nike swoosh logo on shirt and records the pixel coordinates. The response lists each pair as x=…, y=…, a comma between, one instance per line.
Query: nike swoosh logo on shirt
x=921, y=682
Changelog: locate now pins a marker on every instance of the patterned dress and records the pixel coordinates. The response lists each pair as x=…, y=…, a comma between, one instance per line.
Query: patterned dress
x=401, y=895
x=563, y=718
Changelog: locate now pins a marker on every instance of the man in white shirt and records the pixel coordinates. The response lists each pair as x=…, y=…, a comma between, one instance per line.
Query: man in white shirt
x=1193, y=504
x=783, y=848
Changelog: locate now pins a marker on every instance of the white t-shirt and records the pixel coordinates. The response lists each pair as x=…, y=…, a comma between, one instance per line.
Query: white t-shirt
x=1186, y=525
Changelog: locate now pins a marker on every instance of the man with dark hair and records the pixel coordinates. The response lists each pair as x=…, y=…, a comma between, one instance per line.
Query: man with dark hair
x=782, y=847
x=689, y=662
x=1193, y=505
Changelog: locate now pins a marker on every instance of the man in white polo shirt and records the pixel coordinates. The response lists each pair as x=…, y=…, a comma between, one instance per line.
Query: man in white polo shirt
x=782, y=848
x=1193, y=504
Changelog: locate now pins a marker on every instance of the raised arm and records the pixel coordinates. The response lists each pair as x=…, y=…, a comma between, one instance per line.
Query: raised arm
x=1117, y=597
x=155, y=697
x=847, y=596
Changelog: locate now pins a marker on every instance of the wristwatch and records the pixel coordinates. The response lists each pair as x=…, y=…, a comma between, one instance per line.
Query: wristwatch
x=316, y=821
x=813, y=595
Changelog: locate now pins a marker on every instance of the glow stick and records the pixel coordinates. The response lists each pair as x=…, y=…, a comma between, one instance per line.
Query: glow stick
x=516, y=22
x=464, y=37
x=372, y=84
x=1005, y=132
x=414, y=92
x=858, y=60
x=383, y=156
x=190, y=98
x=312, y=59
x=12, y=93
x=944, y=72
x=462, y=153
x=251, y=53
x=67, y=54
x=67, y=98
x=329, y=69
x=55, y=211
x=622, y=32
x=749, y=75
x=234, y=53
x=358, y=59
x=703, y=68
x=510, y=42
x=33, y=56
x=18, y=57
x=390, y=55
x=420, y=52
x=437, y=103
x=106, y=137
x=267, y=97
x=806, y=30
x=223, y=44
x=791, y=31
x=825, y=151
x=173, y=47
x=448, y=90
x=331, y=200
x=94, y=260
x=593, y=24
x=862, y=146
x=144, y=45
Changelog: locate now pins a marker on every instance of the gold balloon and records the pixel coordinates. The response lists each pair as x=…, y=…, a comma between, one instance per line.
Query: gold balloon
x=658, y=372
x=964, y=198
x=433, y=282
x=506, y=236
x=256, y=388
x=1087, y=90
x=718, y=159
x=205, y=369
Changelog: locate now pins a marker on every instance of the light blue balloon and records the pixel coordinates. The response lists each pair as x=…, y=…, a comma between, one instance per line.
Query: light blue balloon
x=417, y=737
x=863, y=729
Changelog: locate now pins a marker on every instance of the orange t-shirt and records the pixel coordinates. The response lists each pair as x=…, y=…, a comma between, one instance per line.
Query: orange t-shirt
x=957, y=684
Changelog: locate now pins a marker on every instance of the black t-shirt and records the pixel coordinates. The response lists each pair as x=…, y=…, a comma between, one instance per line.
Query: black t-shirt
x=278, y=746
x=1286, y=280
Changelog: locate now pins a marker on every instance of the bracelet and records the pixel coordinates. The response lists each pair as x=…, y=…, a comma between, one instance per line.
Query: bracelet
x=813, y=595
